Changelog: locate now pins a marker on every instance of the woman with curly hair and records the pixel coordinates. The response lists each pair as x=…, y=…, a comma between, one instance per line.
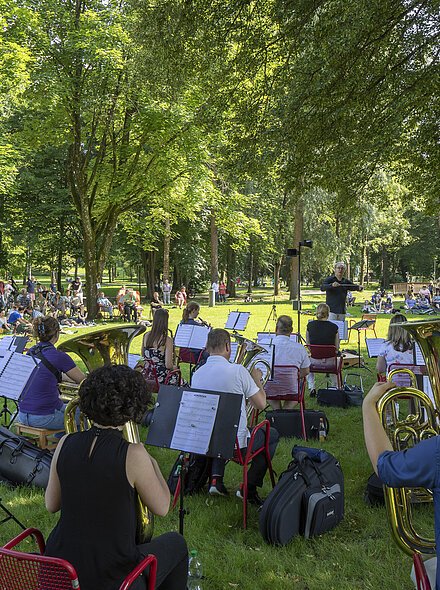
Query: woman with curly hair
x=40, y=404
x=94, y=478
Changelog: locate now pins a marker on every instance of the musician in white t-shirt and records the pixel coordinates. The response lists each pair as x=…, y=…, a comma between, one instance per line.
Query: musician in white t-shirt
x=218, y=374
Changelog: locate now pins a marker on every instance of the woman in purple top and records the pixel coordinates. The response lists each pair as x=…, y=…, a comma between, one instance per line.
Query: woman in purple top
x=40, y=403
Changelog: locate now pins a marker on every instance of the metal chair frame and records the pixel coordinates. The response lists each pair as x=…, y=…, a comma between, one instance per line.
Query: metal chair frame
x=29, y=571
x=327, y=351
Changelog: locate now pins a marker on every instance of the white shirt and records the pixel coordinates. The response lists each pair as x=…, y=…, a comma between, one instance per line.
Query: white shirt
x=214, y=287
x=288, y=352
x=218, y=374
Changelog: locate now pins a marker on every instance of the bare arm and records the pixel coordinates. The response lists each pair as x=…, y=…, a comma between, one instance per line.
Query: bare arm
x=169, y=353
x=376, y=439
x=381, y=365
x=337, y=341
x=144, y=474
x=144, y=339
x=76, y=375
x=52, y=495
x=303, y=372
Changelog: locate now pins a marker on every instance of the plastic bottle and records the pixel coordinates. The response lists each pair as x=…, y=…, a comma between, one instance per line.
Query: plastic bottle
x=195, y=572
x=322, y=431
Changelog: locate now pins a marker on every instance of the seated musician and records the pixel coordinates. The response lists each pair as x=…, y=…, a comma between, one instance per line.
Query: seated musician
x=158, y=346
x=190, y=316
x=40, y=404
x=218, y=374
x=321, y=331
x=287, y=352
x=94, y=478
x=414, y=467
x=398, y=348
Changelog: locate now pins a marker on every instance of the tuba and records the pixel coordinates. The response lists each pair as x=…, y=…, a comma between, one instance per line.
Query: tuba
x=246, y=353
x=96, y=349
x=420, y=422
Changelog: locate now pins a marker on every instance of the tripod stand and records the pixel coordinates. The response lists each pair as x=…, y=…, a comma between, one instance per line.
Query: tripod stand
x=6, y=414
x=272, y=316
x=9, y=516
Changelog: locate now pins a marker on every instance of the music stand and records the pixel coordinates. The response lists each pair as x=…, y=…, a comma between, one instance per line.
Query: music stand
x=10, y=516
x=180, y=422
x=359, y=326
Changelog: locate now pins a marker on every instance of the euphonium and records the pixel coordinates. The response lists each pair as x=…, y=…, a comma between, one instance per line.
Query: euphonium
x=421, y=422
x=96, y=349
x=246, y=353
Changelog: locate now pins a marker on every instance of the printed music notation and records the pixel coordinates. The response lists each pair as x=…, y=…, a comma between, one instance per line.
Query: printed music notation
x=195, y=422
x=190, y=336
x=373, y=346
x=15, y=372
x=267, y=337
x=237, y=320
x=418, y=355
x=234, y=350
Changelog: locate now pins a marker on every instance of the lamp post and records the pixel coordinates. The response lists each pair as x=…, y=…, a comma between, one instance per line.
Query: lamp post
x=293, y=252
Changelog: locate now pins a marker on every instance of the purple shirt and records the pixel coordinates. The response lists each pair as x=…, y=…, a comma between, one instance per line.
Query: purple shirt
x=41, y=395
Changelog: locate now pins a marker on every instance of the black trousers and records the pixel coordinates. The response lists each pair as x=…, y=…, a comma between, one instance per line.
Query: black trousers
x=258, y=467
x=130, y=309
x=172, y=562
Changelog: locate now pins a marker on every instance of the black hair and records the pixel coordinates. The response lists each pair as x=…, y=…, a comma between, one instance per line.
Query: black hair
x=113, y=395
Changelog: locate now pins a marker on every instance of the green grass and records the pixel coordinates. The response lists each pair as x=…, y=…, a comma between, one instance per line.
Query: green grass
x=358, y=554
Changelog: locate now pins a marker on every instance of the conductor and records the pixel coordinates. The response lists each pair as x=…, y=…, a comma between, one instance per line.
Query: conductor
x=336, y=287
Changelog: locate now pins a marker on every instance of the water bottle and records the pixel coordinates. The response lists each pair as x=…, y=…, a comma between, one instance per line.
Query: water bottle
x=194, y=572
x=322, y=430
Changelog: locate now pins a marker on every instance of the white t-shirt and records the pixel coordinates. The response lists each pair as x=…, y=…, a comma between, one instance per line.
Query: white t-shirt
x=214, y=287
x=218, y=374
x=288, y=352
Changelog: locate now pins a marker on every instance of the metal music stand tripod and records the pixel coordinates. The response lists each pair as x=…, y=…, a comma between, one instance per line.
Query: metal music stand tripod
x=165, y=422
x=272, y=315
x=361, y=326
x=9, y=516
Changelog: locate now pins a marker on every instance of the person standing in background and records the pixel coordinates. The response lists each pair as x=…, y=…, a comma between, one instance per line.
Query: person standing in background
x=166, y=291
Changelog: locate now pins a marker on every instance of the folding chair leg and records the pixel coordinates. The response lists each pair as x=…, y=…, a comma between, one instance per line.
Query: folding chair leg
x=245, y=495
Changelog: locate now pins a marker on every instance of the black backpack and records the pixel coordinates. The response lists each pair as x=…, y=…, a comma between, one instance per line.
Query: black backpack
x=198, y=469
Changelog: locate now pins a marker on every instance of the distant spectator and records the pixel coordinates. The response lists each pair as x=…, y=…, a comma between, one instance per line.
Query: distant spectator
x=155, y=302
x=17, y=321
x=222, y=292
x=180, y=297
x=105, y=304
x=166, y=290
x=23, y=299
x=4, y=326
x=426, y=293
x=76, y=285
x=130, y=305
x=31, y=286
x=215, y=287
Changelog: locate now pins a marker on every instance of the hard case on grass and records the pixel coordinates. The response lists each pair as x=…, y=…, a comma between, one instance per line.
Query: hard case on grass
x=21, y=462
x=332, y=397
x=355, y=393
x=288, y=422
x=308, y=498
x=374, y=495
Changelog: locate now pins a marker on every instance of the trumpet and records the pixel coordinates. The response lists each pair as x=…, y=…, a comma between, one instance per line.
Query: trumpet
x=421, y=422
x=109, y=346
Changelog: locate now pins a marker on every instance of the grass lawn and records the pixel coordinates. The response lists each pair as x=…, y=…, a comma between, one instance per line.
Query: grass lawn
x=358, y=554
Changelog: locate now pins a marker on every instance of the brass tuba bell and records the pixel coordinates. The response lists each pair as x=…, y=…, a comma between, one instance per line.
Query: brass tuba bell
x=404, y=431
x=96, y=349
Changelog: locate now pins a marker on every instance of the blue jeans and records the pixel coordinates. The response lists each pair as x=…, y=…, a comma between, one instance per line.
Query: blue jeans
x=54, y=421
x=166, y=297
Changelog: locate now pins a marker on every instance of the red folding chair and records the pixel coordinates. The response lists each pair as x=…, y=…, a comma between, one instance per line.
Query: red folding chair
x=325, y=359
x=245, y=459
x=422, y=579
x=365, y=316
x=29, y=571
x=287, y=385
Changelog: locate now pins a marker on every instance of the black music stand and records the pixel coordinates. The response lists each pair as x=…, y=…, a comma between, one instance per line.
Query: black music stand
x=10, y=516
x=360, y=326
x=163, y=428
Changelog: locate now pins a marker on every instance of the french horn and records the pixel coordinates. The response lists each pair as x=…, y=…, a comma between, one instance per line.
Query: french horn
x=405, y=429
x=96, y=349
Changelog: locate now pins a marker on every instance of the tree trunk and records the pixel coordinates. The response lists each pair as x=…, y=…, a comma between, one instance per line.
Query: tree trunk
x=250, y=267
x=166, y=250
x=231, y=261
x=297, y=238
x=276, y=276
x=214, y=248
x=59, y=270
x=385, y=269
x=148, y=263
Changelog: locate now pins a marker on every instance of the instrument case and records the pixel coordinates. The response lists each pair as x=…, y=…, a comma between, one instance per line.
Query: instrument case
x=21, y=462
x=308, y=498
x=332, y=397
x=288, y=422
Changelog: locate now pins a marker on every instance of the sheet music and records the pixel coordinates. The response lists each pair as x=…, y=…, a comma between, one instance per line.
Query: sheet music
x=15, y=373
x=232, y=318
x=190, y=336
x=267, y=356
x=418, y=355
x=267, y=337
x=373, y=346
x=242, y=320
x=342, y=328
x=6, y=342
x=19, y=343
x=195, y=422
x=428, y=389
x=234, y=350
x=133, y=360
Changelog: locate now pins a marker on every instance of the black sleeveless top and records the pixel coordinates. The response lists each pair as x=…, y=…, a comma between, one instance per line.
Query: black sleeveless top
x=97, y=527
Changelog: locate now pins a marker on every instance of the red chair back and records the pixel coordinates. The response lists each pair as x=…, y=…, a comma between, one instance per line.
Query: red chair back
x=186, y=355
x=285, y=385
x=322, y=351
